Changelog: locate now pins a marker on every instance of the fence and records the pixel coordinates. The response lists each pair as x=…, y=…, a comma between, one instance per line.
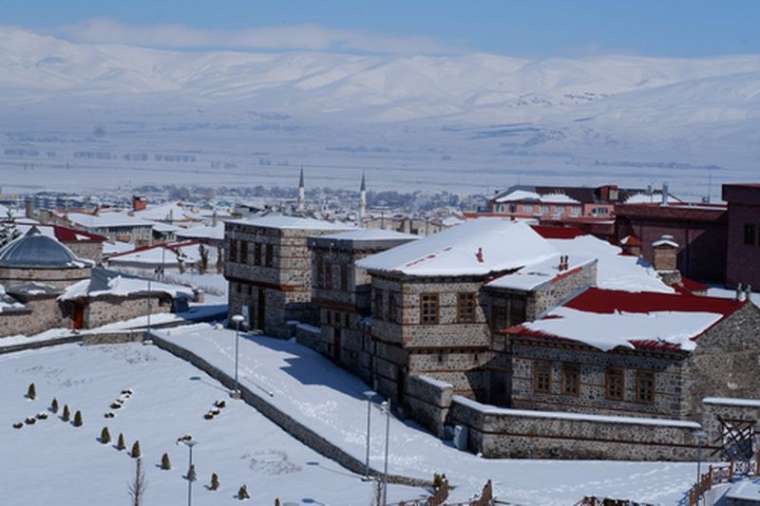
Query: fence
x=723, y=473
x=442, y=493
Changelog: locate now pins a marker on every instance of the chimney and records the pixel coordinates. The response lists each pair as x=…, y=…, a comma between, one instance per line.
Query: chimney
x=748, y=292
x=739, y=292
x=479, y=255
x=665, y=259
x=29, y=207
x=664, y=194
x=139, y=203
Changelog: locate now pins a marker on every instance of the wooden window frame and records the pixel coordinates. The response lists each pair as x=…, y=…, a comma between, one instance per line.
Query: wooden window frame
x=467, y=304
x=377, y=304
x=750, y=234
x=573, y=389
x=499, y=322
x=608, y=373
x=328, y=275
x=425, y=317
x=393, y=307
x=232, y=251
x=257, y=253
x=320, y=269
x=243, y=252
x=538, y=371
x=649, y=376
x=344, y=277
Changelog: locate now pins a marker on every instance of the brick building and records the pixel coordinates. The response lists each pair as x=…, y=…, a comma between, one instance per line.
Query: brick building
x=268, y=267
x=743, y=217
x=342, y=291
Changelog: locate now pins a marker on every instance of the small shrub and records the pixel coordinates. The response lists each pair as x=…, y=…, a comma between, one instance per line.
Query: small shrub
x=135, y=453
x=54, y=405
x=30, y=420
x=66, y=415
x=42, y=415
x=277, y=501
x=220, y=404
x=18, y=425
x=31, y=392
x=109, y=415
x=191, y=474
x=214, y=482
x=208, y=416
x=115, y=405
x=243, y=493
x=120, y=444
x=215, y=411
x=105, y=436
x=166, y=464
x=77, y=419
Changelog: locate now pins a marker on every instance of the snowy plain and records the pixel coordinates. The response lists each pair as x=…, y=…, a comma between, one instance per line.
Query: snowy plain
x=329, y=400
x=53, y=462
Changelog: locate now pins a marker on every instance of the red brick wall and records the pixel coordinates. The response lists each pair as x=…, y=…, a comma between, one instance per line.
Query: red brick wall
x=743, y=260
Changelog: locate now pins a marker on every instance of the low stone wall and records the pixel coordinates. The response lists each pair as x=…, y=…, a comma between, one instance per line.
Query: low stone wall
x=292, y=426
x=310, y=336
x=428, y=401
x=113, y=337
x=508, y=433
x=35, y=345
x=716, y=408
x=118, y=337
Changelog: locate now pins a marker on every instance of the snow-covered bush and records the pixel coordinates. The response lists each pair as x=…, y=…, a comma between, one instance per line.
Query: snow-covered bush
x=31, y=392
x=191, y=474
x=18, y=425
x=214, y=482
x=30, y=420
x=136, y=453
x=77, y=419
x=120, y=444
x=243, y=493
x=66, y=415
x=166, y=464
x=105, y=436
x=54, y=406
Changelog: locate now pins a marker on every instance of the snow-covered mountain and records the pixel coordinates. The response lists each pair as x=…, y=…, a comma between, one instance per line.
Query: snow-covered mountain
x=624, y=108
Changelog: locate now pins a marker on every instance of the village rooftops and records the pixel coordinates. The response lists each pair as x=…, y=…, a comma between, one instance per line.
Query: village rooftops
x=536, y=275
x=475, y=248
x=60, y=233
x=293, y=223
x=110, y=219
x=105, y=282
x=525, y=195
x=609, y=319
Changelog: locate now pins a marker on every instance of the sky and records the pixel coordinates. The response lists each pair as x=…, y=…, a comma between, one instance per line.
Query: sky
x=535, y=28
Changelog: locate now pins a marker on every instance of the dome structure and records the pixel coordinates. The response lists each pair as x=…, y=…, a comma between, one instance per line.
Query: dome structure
x=36, y=251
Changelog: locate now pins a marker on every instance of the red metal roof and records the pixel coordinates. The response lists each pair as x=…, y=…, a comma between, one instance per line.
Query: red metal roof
x=701, y=212
x=548, y=232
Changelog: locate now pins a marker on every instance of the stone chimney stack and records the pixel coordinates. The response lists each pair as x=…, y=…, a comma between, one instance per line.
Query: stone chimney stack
x=362, y=200
x=664, y=195
x=139, y=203
x=665, y=259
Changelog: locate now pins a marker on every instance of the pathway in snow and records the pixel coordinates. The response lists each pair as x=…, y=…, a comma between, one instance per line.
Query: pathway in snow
x=329, y=400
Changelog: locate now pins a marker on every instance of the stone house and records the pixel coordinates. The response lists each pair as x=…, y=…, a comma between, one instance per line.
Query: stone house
x=268, y=267
x=341, y=290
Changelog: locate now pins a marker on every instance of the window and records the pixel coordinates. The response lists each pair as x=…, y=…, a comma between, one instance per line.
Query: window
x=575, y=211
x=233, y=250
x=328, y=317
x=528, y=209
x=257, y=253
x=250, y=289
x=320, y=271
x=645, y=385
x=466, y=307
x=516, y=311
x=243, y=252
x=614, y=379
x=429, y=308
x=346, y=320
x=393, y=308
x=543, y=210
x=571, y=379
x=512, y=208
x=377, y=310
x=328, y=276
x=542, y=377
x=238, y=288
x=344, y=277
x=269, y=255
x=498, y=317
x=749, y=234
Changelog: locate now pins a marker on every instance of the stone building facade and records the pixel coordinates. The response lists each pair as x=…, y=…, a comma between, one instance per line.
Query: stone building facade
x=743, y=217
x=268, y=267
x=342, y=292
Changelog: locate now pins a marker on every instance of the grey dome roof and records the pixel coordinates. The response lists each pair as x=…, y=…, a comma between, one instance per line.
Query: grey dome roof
x=37, y=251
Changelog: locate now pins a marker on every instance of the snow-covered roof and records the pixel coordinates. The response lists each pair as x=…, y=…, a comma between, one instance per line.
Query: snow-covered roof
x=169, y=211
x=474, y=248
x=549, y=198
x=104, y=282
x=203, y=232
x=370, y=234
x=162, y=254
x=608, y=319
x=8, y=304
x=107, y=220
x=293, y=222
x=532, y=276
x=33, y=250
x=114, y=247
x=615, y=271
x=665, y=240
x=650, y=198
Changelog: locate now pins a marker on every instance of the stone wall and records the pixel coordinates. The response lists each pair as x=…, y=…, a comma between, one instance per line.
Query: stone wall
x=592, y=365
x=505, y=433
x=104, y=310
x=727, y=409
x=59, y=278
x=88, y=250
x=726, y=361
x=41, y=314
x=428, y=401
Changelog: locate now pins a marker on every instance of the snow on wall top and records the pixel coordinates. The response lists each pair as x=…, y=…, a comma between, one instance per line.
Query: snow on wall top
x=105, y=283
x=203, y=232
x=294, y=222
x=369, y=234
x=532, y=276
x=731, y=401
x=474, y=248
x=107, y=219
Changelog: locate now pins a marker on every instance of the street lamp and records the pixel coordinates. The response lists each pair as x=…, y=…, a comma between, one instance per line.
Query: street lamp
x=238, y=319
x=369, y=394
x=190, y=478
x=387, y=408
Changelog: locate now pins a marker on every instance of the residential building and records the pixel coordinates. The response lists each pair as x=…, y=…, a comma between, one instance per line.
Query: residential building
x=743, y=234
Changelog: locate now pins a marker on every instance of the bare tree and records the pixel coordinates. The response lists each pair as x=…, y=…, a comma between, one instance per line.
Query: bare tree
x=137, y=487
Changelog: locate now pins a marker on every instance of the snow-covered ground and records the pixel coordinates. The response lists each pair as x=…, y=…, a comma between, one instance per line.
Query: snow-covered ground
x=329, y=400
x=52, y=462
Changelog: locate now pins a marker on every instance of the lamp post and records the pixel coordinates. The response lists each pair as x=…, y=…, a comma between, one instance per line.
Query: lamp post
x=369, y=394
x=190, y=443
x=387, y=408
x=238, y=319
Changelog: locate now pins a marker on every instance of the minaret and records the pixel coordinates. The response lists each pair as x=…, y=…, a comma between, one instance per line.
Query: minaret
x=301, y=207
x=362, y=200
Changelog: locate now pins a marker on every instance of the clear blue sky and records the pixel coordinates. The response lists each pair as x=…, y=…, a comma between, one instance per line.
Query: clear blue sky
x=522, y=28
